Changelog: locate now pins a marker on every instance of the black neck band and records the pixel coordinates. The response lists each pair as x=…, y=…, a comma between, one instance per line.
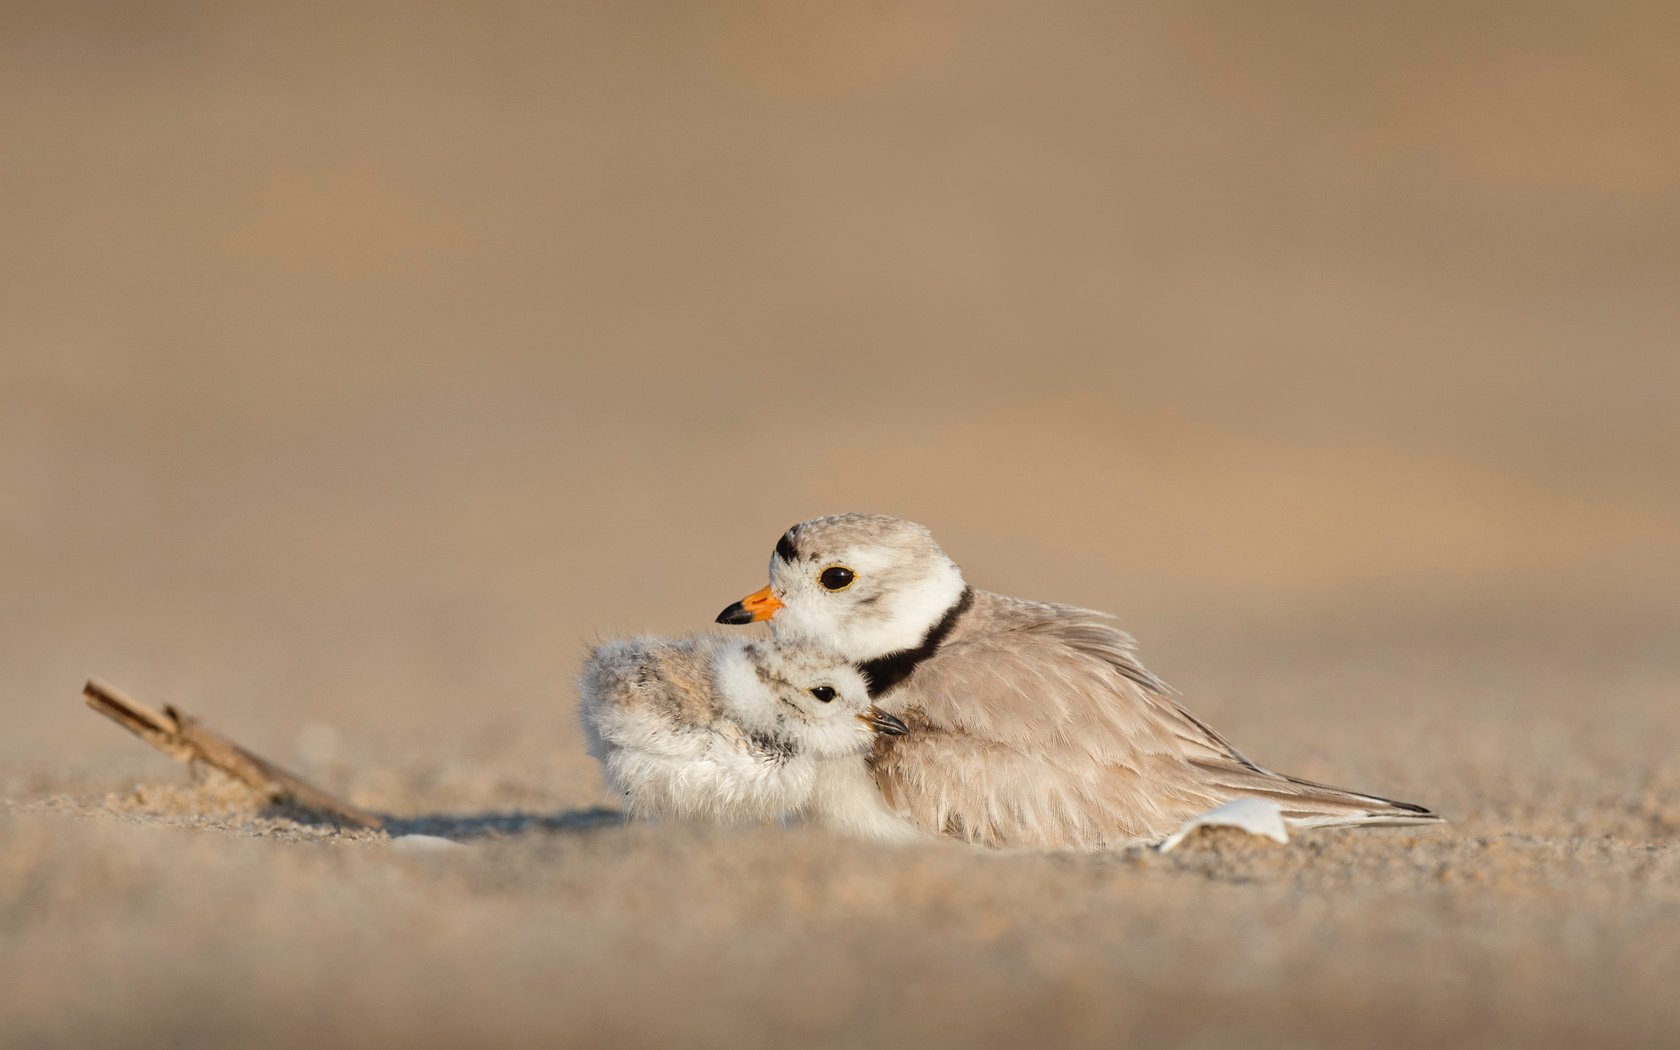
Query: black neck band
x=884, y=672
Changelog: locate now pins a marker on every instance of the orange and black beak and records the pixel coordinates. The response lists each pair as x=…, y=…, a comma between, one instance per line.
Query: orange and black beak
x=759, y=605
x=883, y=723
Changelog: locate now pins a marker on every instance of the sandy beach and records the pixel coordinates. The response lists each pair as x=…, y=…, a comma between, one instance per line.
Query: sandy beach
x=361, y=366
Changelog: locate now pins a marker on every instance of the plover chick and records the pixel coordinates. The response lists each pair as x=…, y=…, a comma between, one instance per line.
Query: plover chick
x=716, y=729
x=1031, y=724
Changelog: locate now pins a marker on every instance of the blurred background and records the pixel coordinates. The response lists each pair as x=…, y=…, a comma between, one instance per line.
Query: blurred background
x=361, y=364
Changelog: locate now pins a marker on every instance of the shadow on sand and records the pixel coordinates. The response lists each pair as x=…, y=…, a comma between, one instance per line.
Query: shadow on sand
x=465, y=827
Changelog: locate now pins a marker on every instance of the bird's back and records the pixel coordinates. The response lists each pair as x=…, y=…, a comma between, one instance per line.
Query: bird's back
x=1036, y=725
x=652, y=693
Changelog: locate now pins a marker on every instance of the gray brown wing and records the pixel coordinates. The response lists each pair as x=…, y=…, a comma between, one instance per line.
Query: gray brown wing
x=1051, y=734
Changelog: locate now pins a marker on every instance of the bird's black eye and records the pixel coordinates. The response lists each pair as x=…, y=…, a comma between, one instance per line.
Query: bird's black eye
x=836, y=577
x=824, y=693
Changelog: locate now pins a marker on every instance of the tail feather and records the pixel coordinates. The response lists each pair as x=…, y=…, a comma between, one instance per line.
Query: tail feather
x=1307, y=804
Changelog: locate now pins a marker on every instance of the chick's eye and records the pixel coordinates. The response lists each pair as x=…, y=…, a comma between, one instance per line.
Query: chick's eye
x=836, y=577
x=823, y=692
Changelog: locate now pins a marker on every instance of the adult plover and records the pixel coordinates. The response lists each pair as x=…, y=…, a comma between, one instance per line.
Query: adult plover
x=1030, y=724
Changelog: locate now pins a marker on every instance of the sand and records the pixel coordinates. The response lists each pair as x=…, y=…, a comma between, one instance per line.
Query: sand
x=362, y=365
x=1547, y=913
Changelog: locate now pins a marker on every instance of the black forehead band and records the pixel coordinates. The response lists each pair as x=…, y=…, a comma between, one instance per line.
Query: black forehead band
x=785, y=549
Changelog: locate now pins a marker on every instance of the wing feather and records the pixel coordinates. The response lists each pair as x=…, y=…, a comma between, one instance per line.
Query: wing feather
x=1045, y=730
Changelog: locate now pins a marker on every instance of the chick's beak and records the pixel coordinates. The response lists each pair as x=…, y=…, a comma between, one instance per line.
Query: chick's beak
x=883, y=723
x=759, y=605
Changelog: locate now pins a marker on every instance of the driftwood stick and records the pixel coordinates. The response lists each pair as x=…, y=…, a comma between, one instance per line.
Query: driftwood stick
x=185, y=739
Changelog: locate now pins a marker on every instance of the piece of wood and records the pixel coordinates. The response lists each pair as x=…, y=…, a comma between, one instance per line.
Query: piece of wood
x=186, y=739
